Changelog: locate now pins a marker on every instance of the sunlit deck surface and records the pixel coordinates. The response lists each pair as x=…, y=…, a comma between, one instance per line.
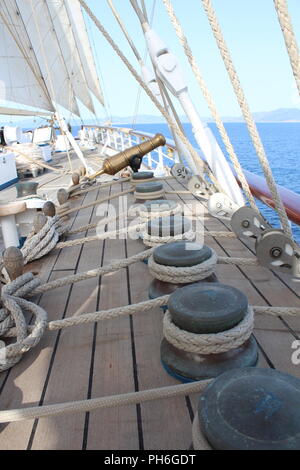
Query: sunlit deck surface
x=123, y=355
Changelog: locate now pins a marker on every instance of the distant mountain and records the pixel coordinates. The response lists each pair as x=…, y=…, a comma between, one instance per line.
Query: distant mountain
x=278, y=115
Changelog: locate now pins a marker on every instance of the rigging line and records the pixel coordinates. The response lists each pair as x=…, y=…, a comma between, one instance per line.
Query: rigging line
x=168, y=104
x=144, y=10
x=289, y=38
x=138, y=98
x=252, y=128
x=210, y=102
x=123, y=28
x=106, y=104
x=47, y=67
x=199, y=163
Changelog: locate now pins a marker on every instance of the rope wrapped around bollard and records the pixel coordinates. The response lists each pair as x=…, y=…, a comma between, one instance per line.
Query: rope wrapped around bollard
x=213, y=343
x=152, y=241
x=178, y=275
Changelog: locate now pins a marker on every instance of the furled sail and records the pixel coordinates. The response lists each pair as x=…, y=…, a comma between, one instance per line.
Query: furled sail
x=68, y=46
x=20, y=75
x=84, y=48
x=41, y=32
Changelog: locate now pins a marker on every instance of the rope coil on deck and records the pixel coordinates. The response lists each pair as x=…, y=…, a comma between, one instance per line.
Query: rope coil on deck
x=12, y=316
x=183, y=275
x=213, y=343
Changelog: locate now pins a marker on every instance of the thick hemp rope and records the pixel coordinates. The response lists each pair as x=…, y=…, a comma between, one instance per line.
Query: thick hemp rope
x=13, y=323
x=183, y=275
x=149, y=196
x=198, y=439
x=38, y=245
x=289, y=38
x=81, y=406
x=119, y=264
x=213, y=343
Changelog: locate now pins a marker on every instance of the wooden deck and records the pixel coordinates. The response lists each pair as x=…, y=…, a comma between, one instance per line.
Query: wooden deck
x=122, y=355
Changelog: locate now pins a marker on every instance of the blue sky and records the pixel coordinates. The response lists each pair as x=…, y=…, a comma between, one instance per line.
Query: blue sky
x=252, y=32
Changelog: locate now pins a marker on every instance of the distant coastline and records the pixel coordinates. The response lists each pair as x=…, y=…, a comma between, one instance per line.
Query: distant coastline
x=282, y=115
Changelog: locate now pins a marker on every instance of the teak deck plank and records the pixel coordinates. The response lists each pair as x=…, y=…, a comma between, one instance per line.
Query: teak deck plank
x=71, y=365
x=26, y=380
x=113, y=362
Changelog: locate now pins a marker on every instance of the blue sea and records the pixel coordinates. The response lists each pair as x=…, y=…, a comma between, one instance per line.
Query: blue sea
x=282, y=146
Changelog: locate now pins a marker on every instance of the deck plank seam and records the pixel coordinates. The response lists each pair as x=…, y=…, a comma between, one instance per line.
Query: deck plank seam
x=55, y=348
x=134, y=357
x=94, y=342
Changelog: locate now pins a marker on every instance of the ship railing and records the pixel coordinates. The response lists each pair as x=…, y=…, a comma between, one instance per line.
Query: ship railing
x=120, y=138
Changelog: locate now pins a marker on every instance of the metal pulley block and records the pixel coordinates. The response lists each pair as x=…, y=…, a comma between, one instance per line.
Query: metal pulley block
x=220, y=205
x=246, y=222
x=180, y=172
x=274, y=250
x=198, y=187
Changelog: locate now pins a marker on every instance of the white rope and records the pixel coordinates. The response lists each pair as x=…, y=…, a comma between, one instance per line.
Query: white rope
x=183, y=275
x=11, y=315
x=213, y=343
x=209, y=99
x=199, y=441
x=152, y=241
x=132, y=398
x=289, y=37
x=150, y=195
x=197, y=160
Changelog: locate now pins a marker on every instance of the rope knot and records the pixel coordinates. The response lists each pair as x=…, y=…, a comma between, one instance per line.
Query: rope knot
x=13, y=322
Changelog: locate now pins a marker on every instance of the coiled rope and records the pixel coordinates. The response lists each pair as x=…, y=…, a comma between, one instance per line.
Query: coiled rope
x=213, y=343
x=183, y=275
x=12, y=314
x=41, y=243
x=209, y=99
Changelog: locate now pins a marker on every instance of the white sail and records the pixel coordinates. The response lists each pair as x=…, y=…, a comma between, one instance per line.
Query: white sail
x=84, y=48
x=39, y=26
x=20, y=75
x=68, y=46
